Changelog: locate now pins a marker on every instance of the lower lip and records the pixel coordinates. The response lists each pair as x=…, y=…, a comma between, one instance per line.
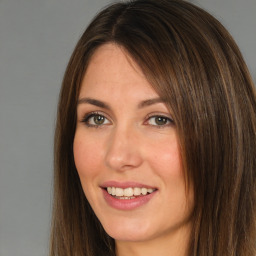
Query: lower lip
x=127, y=204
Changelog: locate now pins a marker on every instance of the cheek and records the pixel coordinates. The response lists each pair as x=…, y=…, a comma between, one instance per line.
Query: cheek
x=86, y=156
x=165, y=157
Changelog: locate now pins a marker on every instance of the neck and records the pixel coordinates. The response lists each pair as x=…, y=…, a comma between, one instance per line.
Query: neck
x=174, y=244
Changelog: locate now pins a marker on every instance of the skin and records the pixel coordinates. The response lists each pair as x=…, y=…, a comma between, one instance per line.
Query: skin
x=129, y=145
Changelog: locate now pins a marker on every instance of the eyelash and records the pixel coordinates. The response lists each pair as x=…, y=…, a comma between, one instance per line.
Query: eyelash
x=169, y=121
x=88, y=116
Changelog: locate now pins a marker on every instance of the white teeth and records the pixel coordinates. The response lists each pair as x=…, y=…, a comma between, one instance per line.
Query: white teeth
x=137, y=191
x=126, y=197
x=150, y=190
x=144, y=191
x=127, y=193
x=119, y=192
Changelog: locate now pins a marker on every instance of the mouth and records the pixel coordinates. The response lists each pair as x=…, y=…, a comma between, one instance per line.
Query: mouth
x=129, y=193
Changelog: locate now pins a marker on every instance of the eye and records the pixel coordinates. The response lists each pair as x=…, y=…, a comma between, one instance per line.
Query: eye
x=95, y=120
x=159, y=121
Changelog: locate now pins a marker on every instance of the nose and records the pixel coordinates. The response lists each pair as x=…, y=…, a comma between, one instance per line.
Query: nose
x=123, y=150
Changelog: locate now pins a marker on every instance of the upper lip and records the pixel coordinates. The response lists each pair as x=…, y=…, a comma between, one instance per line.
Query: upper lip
x=127, y=184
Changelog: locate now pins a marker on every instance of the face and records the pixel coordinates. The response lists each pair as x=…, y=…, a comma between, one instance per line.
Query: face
x=126, y=151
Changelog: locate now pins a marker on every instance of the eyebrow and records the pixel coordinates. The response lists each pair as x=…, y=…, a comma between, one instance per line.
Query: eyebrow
x=101, y=104
x=149, y=102
x=94, y=102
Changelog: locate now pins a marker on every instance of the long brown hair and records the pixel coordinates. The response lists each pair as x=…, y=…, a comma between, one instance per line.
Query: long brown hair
x=195, y=66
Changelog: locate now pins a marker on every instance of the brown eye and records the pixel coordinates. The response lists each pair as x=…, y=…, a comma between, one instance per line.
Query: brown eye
x=159, y=121
x=98, y=119
x=95, y=120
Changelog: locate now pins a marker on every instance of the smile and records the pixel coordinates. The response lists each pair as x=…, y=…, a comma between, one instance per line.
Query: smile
x=127, y=196
x=129, y=193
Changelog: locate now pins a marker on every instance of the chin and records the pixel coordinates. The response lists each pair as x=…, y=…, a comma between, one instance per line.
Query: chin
x=131, y=232
x=131, y=236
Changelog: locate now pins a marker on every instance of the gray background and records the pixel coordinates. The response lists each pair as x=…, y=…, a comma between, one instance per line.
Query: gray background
x=36, y=40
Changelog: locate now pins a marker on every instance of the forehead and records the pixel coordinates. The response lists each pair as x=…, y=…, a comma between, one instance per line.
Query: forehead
x=111, y=68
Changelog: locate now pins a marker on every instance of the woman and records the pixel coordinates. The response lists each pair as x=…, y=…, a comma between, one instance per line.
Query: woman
x=155, y=138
